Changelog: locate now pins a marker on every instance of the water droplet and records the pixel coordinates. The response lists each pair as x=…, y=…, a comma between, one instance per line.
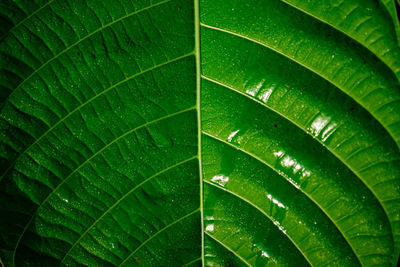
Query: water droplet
x=232, y=135
x=292, y=166
x=279, y=154
x=319, y=124
x=275, y=201
x=210, y=227
x=265, y=94
x=220, y=179
x=328, y=131
x=288, y=162
x=253, y=87
x=264, y=254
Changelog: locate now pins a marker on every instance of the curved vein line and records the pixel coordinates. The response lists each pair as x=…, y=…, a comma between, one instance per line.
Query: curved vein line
x=345, y=33
x=193, y=261
x=226, y=247
x=87, y=102
x=86, y=161
x=159, y=232
x=81, y=40
x=394, y=17
x=262, y=211
x=123, y=197
x=286, y=178
x=357, y=174
x=396, y=139
x=25, y=19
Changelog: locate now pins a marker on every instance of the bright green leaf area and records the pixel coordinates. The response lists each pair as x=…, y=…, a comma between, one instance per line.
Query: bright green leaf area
x=199, y=133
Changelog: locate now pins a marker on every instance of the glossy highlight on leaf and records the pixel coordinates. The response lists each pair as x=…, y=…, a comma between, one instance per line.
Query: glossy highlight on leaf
x=199, y=133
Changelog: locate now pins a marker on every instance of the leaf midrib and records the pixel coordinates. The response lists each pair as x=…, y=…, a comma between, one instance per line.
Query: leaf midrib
x=198, y=106
x=200, y=24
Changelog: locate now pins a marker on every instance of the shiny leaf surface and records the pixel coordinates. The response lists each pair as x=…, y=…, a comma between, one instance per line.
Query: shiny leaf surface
x=199, y=133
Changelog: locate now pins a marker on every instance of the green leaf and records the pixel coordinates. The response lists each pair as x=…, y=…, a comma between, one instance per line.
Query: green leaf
x=193, y=133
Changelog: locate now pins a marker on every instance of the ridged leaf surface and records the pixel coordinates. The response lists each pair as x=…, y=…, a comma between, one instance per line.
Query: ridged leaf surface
x=207, y=132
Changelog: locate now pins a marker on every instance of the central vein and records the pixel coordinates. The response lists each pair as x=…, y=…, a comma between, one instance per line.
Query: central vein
x=198, y=77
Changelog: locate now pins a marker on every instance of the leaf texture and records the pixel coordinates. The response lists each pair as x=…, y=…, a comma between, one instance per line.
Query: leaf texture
x=199, y=133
